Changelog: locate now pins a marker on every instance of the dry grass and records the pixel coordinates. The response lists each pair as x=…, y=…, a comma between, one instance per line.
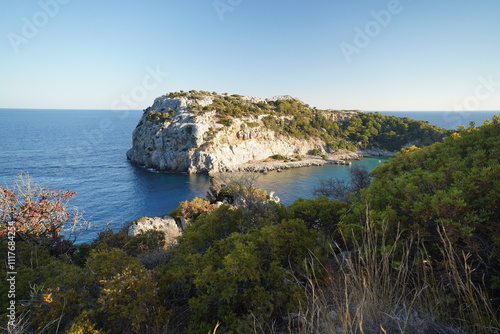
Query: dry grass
x=390, y=288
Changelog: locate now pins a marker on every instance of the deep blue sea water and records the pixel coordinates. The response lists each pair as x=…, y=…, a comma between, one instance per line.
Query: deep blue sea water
x=84, y=151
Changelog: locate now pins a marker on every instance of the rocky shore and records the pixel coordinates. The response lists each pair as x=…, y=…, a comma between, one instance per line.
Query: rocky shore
x=344, y=158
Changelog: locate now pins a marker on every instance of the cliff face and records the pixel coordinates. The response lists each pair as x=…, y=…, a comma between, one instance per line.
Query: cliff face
x=172, y=137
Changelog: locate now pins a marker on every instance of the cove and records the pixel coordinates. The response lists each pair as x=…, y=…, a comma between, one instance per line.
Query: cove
x=291, y=184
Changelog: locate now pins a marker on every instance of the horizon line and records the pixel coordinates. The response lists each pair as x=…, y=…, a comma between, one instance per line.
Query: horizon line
x=368, y=110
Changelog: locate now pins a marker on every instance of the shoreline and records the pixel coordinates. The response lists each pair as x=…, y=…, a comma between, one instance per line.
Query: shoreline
x=344, y=158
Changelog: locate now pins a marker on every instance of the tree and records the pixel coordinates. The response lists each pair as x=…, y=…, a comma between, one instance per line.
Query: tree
x=192, y=209
x=341, y=189
x=39, y=215
x=113, y=292
x=321, y=214
x=239, y=189
x=360, y=178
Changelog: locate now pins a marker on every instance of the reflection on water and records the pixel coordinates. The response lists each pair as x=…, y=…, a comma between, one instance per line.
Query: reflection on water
x=288, y=185
x=291, y=184
x=199, y=184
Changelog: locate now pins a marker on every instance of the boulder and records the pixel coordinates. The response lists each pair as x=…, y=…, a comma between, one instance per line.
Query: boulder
x=166, y=224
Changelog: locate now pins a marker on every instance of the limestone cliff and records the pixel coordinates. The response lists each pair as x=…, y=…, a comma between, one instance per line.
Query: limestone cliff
x=181, y=140
x=200, y=132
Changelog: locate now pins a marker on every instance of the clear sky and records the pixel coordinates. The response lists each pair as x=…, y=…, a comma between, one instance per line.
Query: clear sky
x=343, y=54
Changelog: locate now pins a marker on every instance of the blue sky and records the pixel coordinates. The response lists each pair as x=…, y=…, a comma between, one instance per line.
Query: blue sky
x=343, y=54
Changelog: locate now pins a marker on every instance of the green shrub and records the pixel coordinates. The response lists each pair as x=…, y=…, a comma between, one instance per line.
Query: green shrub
x=226, y=121
x=177, y=94
x=129, y=302
x=144, y=242
x=451, y=186
x=192, y=209
x=68, y=290
x=321, y=214
x=279, y=157
x=156, y=116
x=30, y=263
x=85, y=327
x=237, y=278
x=252, y=124
x=80, y=253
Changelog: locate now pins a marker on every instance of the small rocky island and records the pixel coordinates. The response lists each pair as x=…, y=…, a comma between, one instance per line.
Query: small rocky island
x=203, y=132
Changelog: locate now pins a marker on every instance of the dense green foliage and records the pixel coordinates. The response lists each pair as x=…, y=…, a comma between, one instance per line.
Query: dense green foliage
x=233, y=106
x=97, y=284
x=320, y=214
x=451, y=187
x=58, y=284
x=391, y=132
x=231, y=270
x=360, y=130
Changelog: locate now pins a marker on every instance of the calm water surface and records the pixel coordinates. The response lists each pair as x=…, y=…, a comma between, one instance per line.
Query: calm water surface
x=84, y=151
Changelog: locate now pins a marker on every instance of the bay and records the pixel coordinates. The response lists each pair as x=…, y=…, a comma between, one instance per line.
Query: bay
x=84, y=151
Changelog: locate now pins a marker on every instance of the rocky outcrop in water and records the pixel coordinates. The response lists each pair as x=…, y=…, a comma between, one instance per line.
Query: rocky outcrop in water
x=172, y=137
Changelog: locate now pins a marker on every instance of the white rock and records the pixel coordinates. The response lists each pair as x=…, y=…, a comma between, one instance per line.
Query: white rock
x=166, y=224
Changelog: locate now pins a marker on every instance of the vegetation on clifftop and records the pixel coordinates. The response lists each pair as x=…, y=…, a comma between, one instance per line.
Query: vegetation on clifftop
x=337, y=129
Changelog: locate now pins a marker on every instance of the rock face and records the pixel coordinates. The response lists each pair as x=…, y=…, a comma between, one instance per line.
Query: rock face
x=172, y=137
x=166, y=224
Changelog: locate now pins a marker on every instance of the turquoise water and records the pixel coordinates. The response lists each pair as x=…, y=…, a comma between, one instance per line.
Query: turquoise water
x=84, y=151
x=291, y=184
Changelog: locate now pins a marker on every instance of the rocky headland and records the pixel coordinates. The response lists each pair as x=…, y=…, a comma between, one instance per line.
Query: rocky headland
x=202, y=132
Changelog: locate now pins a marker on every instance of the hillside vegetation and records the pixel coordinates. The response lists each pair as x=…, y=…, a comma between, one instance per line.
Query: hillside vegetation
x=451, y=187
x=416, y=252
x=339, y=129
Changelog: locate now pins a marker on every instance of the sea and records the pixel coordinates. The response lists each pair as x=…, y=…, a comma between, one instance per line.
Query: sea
x=84, y=151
